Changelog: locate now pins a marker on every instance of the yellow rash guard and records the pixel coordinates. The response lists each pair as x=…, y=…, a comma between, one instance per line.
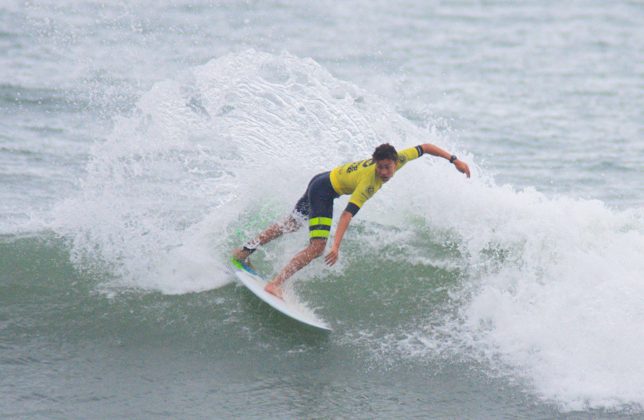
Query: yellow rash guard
x=359, y=178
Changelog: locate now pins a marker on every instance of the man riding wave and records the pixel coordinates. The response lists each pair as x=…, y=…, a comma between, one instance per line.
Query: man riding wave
x=361, y=180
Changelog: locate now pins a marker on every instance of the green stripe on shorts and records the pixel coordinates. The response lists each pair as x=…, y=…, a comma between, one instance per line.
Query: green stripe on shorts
x=326, y=221
x=319, y=234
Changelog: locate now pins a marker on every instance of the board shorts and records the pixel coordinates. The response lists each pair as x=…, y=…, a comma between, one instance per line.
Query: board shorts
x=316, y=205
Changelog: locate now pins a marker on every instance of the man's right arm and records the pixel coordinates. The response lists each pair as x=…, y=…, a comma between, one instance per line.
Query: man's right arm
x=343, y=224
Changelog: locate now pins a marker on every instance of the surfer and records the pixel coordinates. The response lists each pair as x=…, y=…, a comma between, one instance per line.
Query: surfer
x=361, y=179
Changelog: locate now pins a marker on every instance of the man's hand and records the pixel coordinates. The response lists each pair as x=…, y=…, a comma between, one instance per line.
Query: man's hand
x=462, y=167
x=332, y=256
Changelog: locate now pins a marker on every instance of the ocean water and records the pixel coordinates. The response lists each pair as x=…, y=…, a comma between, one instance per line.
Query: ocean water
x=140, y=142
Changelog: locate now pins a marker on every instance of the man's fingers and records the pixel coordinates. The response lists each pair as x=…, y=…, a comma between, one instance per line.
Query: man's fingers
x=331, y=258
x=462, y=167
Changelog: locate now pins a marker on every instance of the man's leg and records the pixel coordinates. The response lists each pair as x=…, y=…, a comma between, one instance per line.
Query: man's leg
x=299, y=261
x=274, y=231
x=292, y=223
x=321, y=199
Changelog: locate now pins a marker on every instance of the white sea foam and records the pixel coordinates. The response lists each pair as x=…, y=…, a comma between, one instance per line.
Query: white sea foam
x=553, y=291
x=163, y=194
x=565, y=306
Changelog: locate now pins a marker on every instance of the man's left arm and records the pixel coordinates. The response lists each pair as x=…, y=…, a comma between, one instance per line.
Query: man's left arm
x=437, y=151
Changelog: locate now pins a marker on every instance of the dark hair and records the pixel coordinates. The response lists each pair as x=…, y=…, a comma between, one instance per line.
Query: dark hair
x=385, y=151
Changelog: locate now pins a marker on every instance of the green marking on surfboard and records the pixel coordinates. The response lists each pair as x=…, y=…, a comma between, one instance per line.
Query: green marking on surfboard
x=238, y=265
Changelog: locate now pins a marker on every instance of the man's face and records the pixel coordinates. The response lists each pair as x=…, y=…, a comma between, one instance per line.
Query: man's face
x=385, y=169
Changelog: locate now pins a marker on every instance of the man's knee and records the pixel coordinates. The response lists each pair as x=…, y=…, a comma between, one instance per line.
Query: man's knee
x=291, y=224
x=316, y=246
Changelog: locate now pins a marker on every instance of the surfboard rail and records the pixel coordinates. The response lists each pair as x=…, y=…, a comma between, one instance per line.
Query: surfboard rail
x=254, y=282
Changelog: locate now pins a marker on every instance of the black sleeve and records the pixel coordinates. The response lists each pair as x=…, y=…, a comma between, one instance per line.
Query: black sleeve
x=420, y=150
x=352, y=208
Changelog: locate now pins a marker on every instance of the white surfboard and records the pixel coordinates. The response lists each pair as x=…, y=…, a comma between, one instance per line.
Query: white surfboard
x=289, y=307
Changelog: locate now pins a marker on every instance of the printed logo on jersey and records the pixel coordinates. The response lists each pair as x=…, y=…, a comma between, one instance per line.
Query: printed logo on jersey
x=353, y=167
x=368, y=193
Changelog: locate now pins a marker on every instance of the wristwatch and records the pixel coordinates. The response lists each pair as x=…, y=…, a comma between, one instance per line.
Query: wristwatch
x=452, y=158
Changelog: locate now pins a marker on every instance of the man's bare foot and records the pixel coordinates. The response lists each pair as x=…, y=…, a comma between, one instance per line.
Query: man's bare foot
x=240, y=254
x=274, y=290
